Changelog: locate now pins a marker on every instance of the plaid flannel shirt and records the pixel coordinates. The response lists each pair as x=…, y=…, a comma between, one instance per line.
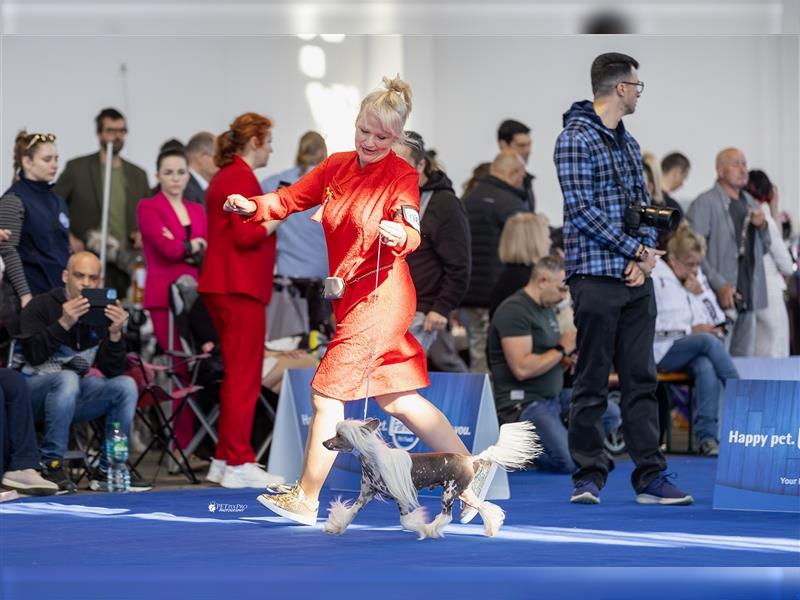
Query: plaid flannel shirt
x=595, y=242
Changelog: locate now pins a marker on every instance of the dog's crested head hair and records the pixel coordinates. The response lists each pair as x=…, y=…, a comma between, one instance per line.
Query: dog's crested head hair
x=352, y=434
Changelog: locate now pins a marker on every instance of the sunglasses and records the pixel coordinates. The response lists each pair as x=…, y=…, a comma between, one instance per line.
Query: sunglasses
x=35, y=138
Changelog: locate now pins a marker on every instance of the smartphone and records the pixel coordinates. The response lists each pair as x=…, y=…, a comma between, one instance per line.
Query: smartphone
x=98, y=298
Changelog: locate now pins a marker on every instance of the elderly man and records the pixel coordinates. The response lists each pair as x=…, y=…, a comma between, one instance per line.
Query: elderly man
x=737, y=238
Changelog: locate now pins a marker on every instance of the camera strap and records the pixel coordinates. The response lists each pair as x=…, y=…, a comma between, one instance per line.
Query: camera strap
x=617, y=176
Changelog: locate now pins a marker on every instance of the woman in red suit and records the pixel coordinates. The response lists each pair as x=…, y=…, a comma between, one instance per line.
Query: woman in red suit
x=173, y=239
x=236, y=285
x=370, y=199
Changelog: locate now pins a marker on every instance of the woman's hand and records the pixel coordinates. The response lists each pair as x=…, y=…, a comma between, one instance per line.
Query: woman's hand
x=5, y=235
x=236, y=203
x=392, y=234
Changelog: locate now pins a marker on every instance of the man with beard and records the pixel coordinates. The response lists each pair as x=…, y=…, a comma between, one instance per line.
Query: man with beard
x=608, y=265
x=81, y=185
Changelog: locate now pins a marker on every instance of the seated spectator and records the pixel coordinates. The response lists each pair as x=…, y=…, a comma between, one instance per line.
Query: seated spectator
x=60, y=345
x=18, y=438
x=527, y=355
x=37, y=218
x=440, y=267
x=524, y=241
x=772, y=322
x=690, y=331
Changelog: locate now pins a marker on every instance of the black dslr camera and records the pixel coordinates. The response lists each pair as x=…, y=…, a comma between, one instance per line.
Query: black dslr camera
x=660, y=217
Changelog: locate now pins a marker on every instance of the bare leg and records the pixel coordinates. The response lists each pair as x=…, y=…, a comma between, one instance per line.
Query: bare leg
x=318, y=460
x=424, y=419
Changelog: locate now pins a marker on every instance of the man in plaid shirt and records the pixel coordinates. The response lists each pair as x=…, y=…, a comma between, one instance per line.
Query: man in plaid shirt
x=608, y=270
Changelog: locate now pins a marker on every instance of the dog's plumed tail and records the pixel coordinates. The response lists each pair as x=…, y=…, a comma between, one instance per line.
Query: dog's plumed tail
x=517, y=445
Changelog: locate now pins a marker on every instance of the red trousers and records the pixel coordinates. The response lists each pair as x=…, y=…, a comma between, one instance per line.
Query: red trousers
x=241, y=324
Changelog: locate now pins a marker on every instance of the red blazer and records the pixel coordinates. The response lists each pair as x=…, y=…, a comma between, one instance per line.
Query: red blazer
x=164, y=257
x=240, y=258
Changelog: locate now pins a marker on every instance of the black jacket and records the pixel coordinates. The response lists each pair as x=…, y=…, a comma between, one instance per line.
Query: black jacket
x=489, y=205
x=43, y=337
x=440, y=266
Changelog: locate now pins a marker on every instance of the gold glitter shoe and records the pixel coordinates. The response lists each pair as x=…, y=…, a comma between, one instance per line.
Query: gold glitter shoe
x=291, y=504
x=480, y=486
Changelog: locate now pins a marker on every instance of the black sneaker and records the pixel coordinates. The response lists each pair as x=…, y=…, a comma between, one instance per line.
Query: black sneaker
x=53, y=470
x=662, y=491
x=98, y=482
x=585, y=492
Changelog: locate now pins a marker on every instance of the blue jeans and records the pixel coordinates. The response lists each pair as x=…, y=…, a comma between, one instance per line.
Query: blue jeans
x=548, y=417
x=705, y=357
x=63, y=398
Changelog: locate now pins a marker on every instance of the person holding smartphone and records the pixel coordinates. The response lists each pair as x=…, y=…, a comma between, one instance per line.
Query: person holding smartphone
x=60, y=345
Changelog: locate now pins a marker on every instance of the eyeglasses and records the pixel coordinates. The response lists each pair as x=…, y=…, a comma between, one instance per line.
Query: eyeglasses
x=35, y=138
x=639, y=85
x=116, y=130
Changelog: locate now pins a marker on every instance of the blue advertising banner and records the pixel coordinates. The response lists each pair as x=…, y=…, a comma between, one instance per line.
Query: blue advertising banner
x=465, y=398
x=759, y=460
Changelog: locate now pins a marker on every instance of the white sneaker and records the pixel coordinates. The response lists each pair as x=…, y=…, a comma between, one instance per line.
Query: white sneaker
x=249, y=475
x=216, y=471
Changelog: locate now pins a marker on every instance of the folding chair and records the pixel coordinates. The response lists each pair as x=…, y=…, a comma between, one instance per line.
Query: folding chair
x=161, y=426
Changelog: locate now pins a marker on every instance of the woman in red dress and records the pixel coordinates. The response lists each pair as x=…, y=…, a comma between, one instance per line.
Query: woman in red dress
x=236, y=284
x=368, y=197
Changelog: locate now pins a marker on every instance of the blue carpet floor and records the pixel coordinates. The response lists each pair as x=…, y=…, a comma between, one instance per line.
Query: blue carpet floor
x=211, y=535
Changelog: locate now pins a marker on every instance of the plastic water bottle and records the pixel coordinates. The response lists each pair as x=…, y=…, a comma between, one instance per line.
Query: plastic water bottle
x=119, y=478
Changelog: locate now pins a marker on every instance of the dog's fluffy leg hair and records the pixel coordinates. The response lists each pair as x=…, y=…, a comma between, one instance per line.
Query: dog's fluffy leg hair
x=416, y=521
x=436, y=527
x=492, y=516
x=340, y=515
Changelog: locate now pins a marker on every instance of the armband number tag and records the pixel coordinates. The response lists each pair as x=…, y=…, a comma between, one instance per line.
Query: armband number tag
x=410, y=216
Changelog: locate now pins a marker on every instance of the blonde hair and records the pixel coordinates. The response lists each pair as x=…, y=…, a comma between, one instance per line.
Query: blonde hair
x=310, y=151
x=390, y=106
x=525, y=239
x=651, y=162
x=686, y=242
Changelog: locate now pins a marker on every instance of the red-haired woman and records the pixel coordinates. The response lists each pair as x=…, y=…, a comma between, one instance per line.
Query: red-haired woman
x=236, y=284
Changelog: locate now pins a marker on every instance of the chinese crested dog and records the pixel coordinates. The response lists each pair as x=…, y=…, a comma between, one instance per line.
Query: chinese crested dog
x=394, y=473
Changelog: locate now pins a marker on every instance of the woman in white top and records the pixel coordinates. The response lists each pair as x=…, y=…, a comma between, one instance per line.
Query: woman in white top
x=772, y=322
x=690, y=331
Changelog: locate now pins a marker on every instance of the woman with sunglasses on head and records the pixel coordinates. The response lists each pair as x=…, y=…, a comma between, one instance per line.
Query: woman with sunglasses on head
x=36, y=217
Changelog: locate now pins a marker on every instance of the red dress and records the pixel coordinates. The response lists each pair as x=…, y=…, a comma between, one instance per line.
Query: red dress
x=372, y=323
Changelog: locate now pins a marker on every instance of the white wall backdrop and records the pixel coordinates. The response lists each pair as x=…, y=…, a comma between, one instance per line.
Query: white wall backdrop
x=702, y=94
